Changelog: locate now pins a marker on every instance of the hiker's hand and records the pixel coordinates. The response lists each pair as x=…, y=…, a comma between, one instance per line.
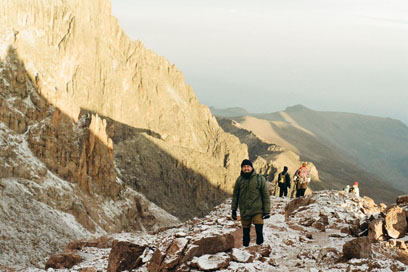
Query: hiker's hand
x=266, y=216
x=234, y=215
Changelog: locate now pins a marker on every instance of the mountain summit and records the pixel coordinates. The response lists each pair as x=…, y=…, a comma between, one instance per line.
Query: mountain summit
x=297, y=108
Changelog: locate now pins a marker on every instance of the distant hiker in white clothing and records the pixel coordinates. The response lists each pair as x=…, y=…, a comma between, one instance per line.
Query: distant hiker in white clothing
x=347, y=189
x=355, y=190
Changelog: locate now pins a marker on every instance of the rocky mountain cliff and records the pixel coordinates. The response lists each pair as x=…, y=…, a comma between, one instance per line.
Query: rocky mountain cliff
x=58, y=179
x=99, y=134
x=80, y=60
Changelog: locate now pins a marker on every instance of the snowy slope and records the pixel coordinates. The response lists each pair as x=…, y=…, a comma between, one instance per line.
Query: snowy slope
x=293, y=240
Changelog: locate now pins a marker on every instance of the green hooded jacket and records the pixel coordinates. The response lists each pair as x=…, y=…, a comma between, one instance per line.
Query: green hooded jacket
x=252, y=197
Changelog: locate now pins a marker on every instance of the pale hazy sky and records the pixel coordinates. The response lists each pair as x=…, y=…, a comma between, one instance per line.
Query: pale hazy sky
x=265, y=55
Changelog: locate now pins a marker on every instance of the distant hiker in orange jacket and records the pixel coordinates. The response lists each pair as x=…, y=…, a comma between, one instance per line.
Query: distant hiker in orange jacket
x=302, y=180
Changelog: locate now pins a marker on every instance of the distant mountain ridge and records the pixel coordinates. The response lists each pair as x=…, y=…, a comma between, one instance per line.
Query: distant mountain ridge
x=379, y=145
x=344, y=146
x=229, y=112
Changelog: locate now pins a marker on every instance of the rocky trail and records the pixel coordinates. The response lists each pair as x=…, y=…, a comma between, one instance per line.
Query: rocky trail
x=314, y=233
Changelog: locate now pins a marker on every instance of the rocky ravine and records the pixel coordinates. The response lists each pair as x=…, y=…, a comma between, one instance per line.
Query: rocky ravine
x=326, y=231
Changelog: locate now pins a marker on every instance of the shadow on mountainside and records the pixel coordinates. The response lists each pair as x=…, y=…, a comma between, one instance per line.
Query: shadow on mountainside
x=69, y=150
x=166, y=181
x=74, y=152
x=256, y=147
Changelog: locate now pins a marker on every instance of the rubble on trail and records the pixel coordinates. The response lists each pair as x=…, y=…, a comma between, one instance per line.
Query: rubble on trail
x=325, y=231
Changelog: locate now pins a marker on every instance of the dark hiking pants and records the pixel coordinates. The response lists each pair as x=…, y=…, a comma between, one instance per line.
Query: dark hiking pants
x=246, y=229
x=300, y=192
x=246, y=238
x=283, y=191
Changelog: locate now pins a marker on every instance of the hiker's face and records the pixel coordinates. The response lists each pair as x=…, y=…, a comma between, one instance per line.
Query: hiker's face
x=246, y=169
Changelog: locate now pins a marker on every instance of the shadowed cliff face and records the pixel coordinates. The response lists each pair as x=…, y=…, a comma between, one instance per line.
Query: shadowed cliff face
x=71, y=64
x=83, y=60
x=102, y=176
x=42, y=149
x=84, y=154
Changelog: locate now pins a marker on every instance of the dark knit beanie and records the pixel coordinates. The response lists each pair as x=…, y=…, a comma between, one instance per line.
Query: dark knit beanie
x=246, y=162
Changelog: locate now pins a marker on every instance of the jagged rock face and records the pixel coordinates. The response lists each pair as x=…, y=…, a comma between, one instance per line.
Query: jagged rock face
x=375, y=231
x=87, y=118
x=42, y=149
x=358, y=248
x=80, y=59
x=396, y=222
x=102, y=70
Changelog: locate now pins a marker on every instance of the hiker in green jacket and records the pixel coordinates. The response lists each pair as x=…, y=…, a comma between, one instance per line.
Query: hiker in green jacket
x=251, y=195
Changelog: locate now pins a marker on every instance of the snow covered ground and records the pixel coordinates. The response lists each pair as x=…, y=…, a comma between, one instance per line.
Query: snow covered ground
x=310, y=238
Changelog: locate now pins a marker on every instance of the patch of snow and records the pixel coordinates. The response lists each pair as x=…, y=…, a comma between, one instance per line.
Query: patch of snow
x=96, y=258
x=211, y=262
x=240, y=255
x=31, y=226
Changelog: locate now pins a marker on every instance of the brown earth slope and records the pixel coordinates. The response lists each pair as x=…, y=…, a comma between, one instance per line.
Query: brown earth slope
x=337, y=168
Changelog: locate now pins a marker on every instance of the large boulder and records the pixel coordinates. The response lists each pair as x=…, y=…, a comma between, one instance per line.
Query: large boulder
x=396, y=222
x=174, y=253
x=369, y=206
x=209, y=245
x=124, y=256
x=375, y=230
x=297, y=203
x=357, y=248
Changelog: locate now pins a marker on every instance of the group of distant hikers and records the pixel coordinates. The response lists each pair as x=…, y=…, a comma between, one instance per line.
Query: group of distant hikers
x=252, y=196
x=355, y=190
x=301, y=179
